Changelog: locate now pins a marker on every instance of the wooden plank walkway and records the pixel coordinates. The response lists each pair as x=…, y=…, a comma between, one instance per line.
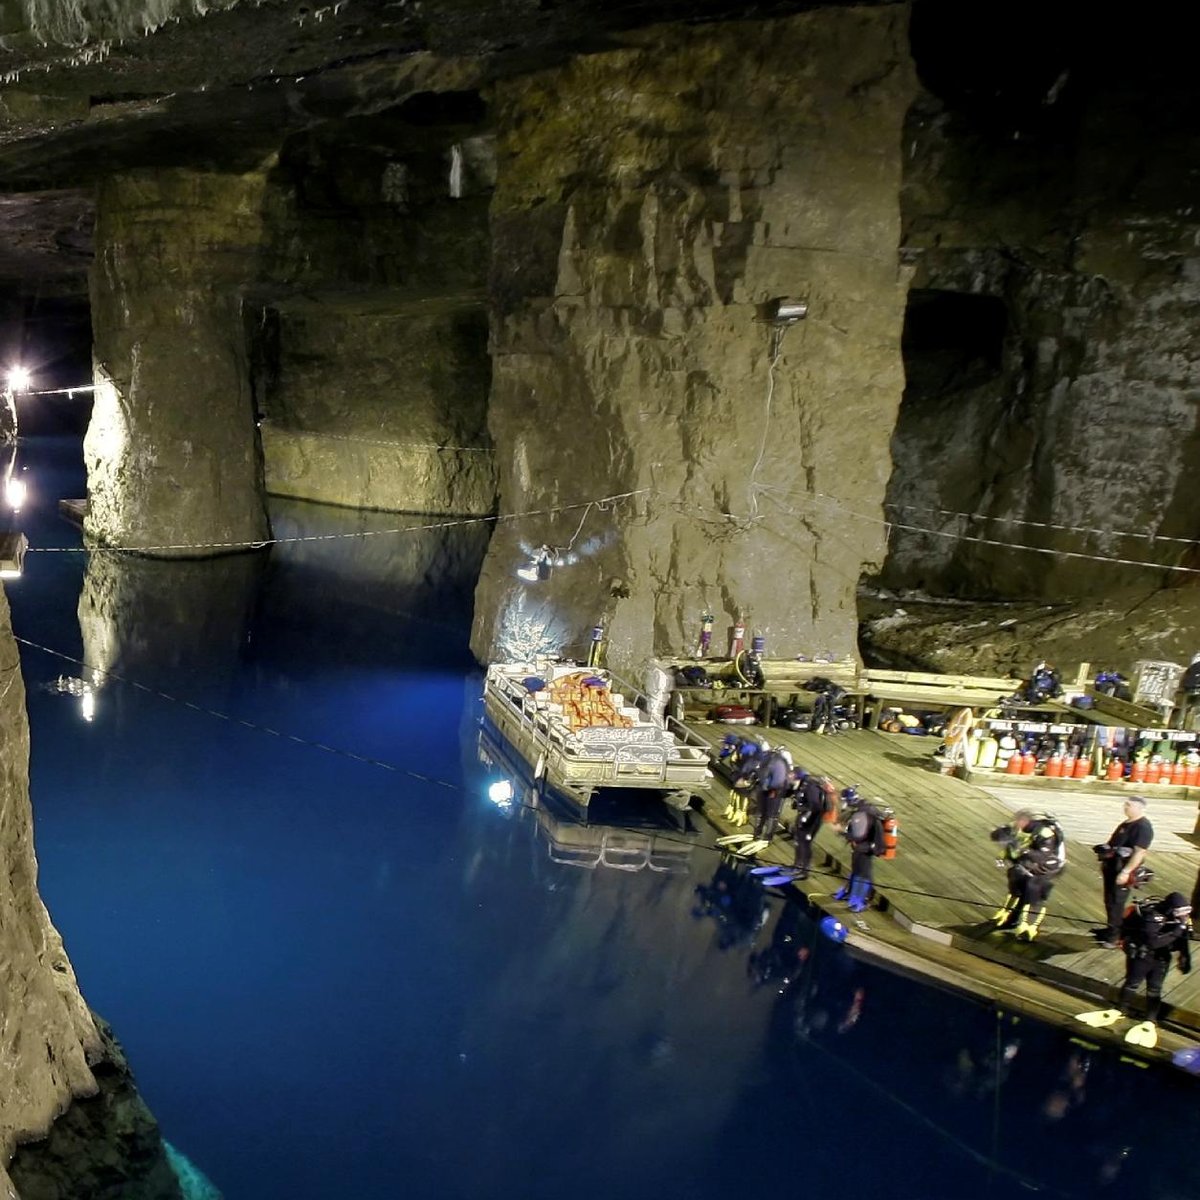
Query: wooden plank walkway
x=944, y=884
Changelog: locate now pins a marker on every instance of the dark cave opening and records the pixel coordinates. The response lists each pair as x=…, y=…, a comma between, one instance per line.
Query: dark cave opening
x=951, y=341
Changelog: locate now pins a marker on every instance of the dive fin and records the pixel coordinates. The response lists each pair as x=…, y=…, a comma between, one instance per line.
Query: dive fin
x=1145, y=1034
x=752, y=847
x=1100, y=1017
x=777, y=880
x=730, y=838
x=773, y=869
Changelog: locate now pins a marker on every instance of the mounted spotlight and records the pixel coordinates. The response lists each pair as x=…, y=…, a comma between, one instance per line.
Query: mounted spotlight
x=784, y=311
x=540, y=565
x=14, y=493
x=19, y=379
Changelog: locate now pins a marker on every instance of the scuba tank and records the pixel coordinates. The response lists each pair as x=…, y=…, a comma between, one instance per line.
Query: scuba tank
x=890, y=835
x=1006, y=749
x=987, y=753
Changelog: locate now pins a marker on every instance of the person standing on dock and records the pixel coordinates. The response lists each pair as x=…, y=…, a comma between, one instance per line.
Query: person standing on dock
x=1152, y=931
x=1120, y=859
x=864, y=831
x=811, y=802
x=1035, y=853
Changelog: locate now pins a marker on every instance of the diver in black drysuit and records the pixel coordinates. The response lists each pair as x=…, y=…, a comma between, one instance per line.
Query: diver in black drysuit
x=864, y=832
x=810, y=805
x=772, y=771
x=1152, y=931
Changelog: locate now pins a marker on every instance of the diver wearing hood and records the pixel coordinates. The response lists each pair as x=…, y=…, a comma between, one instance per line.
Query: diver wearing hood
x=1151, y=932
x=1035, y=853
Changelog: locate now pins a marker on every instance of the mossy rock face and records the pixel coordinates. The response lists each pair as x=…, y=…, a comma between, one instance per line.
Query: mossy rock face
x=649, y=201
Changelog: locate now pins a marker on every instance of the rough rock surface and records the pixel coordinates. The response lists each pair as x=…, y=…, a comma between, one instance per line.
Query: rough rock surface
x=382, y=404
x=50, y=1040
x=1074, y=431
x=172, y=452
x=107, y=1147
x=997, y=639
x=649, y=202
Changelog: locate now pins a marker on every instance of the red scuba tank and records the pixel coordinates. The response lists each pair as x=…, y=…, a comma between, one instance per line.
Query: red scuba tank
x=891, y=833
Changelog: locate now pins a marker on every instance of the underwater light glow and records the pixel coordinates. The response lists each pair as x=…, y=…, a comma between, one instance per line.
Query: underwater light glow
x=14, y=493
x=500, y=793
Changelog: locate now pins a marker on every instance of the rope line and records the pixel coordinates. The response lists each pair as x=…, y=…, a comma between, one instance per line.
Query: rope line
x=330, y=537
x=370, y=761
x=978, y=538
x=1120, y=533
x=350, y=437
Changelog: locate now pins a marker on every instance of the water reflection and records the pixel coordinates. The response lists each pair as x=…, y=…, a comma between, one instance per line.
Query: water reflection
x=303, y=953
x=392, y=597
x=634, y=833
x=151, y=620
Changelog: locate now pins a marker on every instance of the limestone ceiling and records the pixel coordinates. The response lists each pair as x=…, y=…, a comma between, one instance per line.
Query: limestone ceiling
x=92, y=86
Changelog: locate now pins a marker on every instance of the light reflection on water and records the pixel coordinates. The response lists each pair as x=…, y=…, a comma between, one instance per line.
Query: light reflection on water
x=335, y=979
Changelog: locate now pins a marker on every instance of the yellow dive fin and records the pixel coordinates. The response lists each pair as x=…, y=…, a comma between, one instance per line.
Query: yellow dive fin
x=1100, y=1018
x=1145, y=1034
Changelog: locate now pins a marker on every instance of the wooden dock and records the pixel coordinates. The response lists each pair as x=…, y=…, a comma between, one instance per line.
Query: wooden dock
x=944, y=884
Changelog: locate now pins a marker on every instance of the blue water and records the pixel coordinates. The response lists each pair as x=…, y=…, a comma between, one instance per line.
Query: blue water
x=334, y=979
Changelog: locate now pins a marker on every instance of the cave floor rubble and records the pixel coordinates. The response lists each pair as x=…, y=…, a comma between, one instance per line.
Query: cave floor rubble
x=930, y=910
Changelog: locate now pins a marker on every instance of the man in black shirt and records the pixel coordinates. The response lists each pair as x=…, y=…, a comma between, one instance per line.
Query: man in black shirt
x=1120, y=857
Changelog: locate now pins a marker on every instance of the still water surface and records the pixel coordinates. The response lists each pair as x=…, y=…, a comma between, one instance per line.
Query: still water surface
x=339, y=980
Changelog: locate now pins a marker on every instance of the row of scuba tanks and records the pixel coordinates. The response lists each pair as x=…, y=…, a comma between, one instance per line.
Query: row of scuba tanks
x=1157, y=766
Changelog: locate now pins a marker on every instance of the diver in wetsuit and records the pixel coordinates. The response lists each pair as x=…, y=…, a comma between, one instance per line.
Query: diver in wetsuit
x=772, y=771
x=1152, y=931
x=864, y=831
x=1034, y=855
x=811, y=803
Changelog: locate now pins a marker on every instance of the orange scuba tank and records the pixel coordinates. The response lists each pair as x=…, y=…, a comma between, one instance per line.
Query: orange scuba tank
x=1014, y=764
x=1054, y=766
x=1028, y=763
x=891, y=833
x=1083, y=767
x=1115, y=770
x=1137, y=773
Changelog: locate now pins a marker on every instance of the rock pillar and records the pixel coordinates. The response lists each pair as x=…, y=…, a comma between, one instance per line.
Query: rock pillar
x=48, y=1035
x=650, y=203
x=172, y=451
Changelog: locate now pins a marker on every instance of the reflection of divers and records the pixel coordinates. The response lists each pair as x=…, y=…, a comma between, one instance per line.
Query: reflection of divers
x=735, y=901
x=787, y=953
x=1071, y=1090
x=980, y=1076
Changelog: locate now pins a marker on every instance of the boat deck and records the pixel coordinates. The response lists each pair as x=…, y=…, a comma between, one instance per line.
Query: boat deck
x=943, y=884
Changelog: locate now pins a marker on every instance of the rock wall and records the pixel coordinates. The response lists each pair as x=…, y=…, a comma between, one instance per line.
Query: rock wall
x=108, y=1146
x=1079, y=442
x=172, y=453
x=374, y=378
x=381, y=403
x=649, y=202
x=50, y=1040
